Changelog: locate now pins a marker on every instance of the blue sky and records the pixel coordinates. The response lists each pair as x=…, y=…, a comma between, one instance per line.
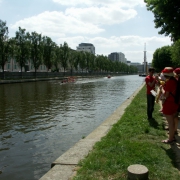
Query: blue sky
x=111, y=25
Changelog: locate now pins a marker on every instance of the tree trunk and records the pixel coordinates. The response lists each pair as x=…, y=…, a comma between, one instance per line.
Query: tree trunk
x=64, y=71
x=21, y=73
x=35, y=72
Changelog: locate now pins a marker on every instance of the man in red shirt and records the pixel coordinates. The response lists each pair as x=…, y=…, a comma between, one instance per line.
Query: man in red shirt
x=150, y=85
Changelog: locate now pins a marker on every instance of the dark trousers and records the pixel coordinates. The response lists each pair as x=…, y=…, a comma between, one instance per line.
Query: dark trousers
x=150, y=105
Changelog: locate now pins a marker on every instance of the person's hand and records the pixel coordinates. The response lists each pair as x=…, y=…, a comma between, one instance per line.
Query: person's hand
x=160, y=87
x=157, y=77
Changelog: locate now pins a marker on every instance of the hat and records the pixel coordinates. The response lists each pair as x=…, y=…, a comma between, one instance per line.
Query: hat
x=177, y=71
x=168, y=71
x=161, y=77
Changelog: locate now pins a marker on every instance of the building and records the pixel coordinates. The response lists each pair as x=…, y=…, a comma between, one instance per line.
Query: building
x=87, y=47
x=113, y=56
x=117, y=56
x=140, y=66
x=128, y=63
x=12, y=66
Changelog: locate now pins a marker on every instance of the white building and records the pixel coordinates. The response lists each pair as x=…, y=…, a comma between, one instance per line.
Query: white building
x=87, y=47
x=12, y=66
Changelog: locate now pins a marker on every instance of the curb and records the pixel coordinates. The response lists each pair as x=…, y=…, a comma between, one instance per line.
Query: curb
x=65, y=167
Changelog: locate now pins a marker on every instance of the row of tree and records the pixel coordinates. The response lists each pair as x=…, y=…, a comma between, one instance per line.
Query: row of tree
x=167, y=18
x=40, y=50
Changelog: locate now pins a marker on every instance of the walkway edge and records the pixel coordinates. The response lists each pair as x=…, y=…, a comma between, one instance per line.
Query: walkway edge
x=65, y=167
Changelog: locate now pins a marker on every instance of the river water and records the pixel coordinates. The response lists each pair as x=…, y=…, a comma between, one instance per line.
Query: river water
x=39, y=121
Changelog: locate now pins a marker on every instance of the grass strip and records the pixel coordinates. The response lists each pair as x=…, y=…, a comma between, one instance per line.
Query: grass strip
x=132, y=140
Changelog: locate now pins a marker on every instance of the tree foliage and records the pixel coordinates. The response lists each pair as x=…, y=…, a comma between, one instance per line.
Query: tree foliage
x=162, y=58
x=167, y=16
x=72, y=59
x=4, y=44
x=36, y=49
x=48, y=54
x=22, y=47
x=64, y=55
x=175, y=51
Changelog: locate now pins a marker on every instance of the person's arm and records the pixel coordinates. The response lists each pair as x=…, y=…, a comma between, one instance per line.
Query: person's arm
x=151, y=84
x=165, y=93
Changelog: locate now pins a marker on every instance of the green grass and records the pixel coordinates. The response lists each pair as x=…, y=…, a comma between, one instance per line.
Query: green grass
x=132, y=140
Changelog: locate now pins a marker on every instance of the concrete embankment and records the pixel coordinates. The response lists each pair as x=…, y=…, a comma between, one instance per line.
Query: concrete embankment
x=65, y=167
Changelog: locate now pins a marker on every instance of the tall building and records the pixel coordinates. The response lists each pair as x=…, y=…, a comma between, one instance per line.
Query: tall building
x=87, y=47
x=113, y=56
x=117, y=56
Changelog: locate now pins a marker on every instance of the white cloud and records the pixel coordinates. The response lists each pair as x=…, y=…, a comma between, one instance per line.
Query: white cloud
x=103, y=15
x=117, y=3
x=56, y=24
x=85, y=23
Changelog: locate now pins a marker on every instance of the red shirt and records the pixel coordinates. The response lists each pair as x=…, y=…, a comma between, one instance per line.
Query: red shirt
x=147, y=80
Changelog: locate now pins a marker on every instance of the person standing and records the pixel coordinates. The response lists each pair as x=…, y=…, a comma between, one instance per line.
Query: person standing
x=170, y=108
x=150, y=85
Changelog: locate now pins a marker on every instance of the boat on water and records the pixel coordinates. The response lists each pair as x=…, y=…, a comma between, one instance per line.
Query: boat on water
x=109, y=76
x=70, y=79
x=143, y=75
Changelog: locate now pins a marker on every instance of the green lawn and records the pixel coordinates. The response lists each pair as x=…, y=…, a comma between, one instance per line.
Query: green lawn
x=133, y=140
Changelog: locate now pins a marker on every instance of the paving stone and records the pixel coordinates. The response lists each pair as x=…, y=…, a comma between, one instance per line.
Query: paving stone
x=59, y=172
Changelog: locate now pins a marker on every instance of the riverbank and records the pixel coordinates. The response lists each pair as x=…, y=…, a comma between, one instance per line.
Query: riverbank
x=125, y=138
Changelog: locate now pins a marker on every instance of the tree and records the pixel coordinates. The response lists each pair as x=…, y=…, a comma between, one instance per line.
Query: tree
x=162, y=58
x=4, y=44
x=36, y=50
x=91, y=62
x=57, y=58
x=82, y=60
x=77, y=60
x=48, y=52
x=72, y=59
x=167, y=16
x=22, y=47
x=64, y=55
x=176, y=53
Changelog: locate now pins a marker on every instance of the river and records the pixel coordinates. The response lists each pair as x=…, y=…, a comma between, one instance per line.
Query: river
x=39, y=121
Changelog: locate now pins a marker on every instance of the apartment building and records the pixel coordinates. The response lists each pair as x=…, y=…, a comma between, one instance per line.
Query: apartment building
x=117, y=56
x=87, y=47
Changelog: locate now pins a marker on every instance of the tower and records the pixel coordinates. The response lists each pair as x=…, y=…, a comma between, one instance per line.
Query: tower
x=145, y=62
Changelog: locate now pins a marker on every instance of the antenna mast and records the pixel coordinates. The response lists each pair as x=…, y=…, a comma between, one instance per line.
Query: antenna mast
x=145, y=63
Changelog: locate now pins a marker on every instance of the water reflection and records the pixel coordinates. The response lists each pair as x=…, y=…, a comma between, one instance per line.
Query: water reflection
x=41, y=120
